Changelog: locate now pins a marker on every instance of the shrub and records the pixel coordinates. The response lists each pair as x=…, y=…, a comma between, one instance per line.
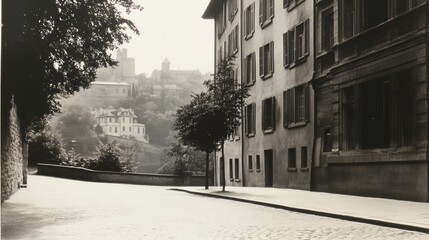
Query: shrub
x=45, y=147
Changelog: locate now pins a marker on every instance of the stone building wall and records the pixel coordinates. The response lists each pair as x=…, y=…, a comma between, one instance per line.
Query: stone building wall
x=11, y=156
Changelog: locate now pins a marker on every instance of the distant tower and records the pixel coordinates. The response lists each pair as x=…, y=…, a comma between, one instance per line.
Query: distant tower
x=165, y=70
x=126, y=66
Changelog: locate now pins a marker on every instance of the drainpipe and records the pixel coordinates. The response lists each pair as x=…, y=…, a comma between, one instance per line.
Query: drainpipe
x=240, y=9
x=427, y=105
x=215, y=171
x=314, y=99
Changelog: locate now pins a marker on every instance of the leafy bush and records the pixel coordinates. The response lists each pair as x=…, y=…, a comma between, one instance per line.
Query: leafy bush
x=45, y=147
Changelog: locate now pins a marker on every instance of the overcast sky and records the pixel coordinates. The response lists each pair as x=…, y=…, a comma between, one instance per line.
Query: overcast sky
x=172, y=29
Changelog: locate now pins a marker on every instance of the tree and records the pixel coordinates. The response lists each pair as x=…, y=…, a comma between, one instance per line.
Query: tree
x=77, y=122
x=228, y=97
x=195, y=126
x=54, y=48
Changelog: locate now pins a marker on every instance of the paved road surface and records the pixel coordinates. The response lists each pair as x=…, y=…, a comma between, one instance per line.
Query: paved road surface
x=53, y=208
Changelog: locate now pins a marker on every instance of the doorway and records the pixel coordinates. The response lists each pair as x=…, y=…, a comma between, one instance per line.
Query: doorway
x=268, y=165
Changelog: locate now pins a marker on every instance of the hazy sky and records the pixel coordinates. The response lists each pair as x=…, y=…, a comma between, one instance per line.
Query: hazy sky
x=172, y=29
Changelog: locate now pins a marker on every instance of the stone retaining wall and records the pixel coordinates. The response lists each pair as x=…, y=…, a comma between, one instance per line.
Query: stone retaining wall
x=116, y=177
x=11, y=155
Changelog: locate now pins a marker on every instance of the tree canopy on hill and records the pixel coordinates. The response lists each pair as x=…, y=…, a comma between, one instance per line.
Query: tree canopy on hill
x=53, y=48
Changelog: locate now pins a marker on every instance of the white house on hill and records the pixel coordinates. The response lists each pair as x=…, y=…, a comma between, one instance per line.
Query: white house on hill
x=121, y=123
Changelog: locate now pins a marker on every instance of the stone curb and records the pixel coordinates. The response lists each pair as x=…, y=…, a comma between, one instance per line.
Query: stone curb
x=382, y=223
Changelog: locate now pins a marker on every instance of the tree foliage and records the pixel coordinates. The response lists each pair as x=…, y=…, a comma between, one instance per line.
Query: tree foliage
x=52, y=48
x=45, y=147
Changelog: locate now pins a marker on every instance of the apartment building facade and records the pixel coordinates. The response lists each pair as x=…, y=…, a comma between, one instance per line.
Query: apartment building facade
x=274, y=56
x=371, y=98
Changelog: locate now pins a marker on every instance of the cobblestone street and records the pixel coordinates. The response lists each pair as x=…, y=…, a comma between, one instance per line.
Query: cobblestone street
x=53, y=208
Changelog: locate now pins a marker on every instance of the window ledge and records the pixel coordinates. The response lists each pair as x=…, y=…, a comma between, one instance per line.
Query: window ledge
x=250, y=170
x=231, y=179
x=266, y=76
x=251, y=83
x=237, y=180
x=258, y=170
x=291, y=169
x=296, y=125
x=249, y=135
x=295, y=4
x=249, y=36
x=267, y=22
x=304, y=169
x=268, y=131
x=237, y=138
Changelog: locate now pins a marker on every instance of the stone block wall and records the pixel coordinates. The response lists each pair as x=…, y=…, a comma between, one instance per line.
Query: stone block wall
x=11, y=156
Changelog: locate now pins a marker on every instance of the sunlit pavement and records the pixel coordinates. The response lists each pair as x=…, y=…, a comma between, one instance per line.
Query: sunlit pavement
x=54, y=208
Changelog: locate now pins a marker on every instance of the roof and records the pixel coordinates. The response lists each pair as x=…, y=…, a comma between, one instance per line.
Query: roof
x=110, y=83
x=212, y=9
x=166, y=60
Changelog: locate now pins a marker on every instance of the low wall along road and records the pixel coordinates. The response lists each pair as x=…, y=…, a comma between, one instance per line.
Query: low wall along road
x=117, y=177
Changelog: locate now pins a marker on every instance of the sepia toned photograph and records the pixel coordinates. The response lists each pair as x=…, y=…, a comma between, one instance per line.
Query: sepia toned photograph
x=214, y=119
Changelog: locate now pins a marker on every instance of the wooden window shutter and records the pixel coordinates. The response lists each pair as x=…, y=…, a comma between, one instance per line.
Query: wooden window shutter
x=271, y=8
x=261, y=61
x=253, y=67
x=285, y=50
x=307, y=102
x=290, y=106
x=252, y=17
x=245, y=69
x=306, y=36
x=272, y=56
x=261, y=12
x=263, y=114
x=285, y=108
x=245, y=23
x=253, y=117
x=291, y=47
x=246, y=120
x=273, y=113
x=236, y=38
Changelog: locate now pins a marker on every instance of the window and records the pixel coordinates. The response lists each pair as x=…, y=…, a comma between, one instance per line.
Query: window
x=268, y=114
x=130, y=120
x=138, y=130
x=349, y=18
x=296, y=105
x=296, y=44
x=249, y=70
x=290, y=4
x=266, y=12
x=327, y=30
x=291, y=158
x=237, y=168
x=250, y=163
x=304, y=161
x=379, y=113
x=373, y=13
x=130, y=129
x=123, y=119
x=360, y=15
x=221, y=21
x=233, y=41
x=250, y=120
x=110, y=129
x=231, y=173
x=258, y=163
x=266, y=60
x=249, y=21
x=116, y=129
x=123, y=129
x=232, y=9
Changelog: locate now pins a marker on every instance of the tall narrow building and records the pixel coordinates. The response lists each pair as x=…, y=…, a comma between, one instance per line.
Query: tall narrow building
x=272, y=42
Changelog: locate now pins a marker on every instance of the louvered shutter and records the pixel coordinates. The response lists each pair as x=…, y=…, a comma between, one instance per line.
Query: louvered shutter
x=271, y=8
x=261, y=61
x=253, y=66
x=272, y=56
x=273, y=113
x=285, y=49
x=261, y=12
x=306, y=36
x=307, y=102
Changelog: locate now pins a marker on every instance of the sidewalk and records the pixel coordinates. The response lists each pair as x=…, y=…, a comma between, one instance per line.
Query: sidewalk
x=385, y=212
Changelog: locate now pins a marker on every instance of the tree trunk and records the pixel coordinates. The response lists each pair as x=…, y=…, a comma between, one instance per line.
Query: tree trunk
x=223, y=167
x=207, y=170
